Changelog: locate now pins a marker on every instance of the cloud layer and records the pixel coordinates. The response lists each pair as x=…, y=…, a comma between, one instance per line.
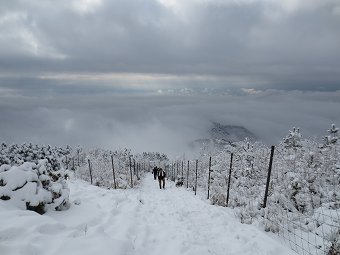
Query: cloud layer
x=278, y=44
x=153, y=121
x=153, y=75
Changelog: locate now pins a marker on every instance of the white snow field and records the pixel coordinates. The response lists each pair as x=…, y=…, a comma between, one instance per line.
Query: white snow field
x=143, y=220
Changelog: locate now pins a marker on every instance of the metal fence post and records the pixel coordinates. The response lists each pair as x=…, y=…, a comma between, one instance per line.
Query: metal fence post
x=229, y=178
x=268, y=176
x=134, y=166
x=209, y=177
x=172, y=171
x=130, y=171
x=90, y=169
x=113, y=171
x=78, y=157
x=188, y=174
x=196, y=176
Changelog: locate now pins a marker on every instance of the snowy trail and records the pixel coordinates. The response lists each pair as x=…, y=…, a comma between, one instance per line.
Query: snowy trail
x=145, y=220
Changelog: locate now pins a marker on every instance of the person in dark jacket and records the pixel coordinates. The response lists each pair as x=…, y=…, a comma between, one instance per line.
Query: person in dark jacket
x=161, y=178
x=155, y=172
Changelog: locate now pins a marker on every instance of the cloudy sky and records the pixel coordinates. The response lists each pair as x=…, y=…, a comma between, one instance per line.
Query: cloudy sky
x=153, y=74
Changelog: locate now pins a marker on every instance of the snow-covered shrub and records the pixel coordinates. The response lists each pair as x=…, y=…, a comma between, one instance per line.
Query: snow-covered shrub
x=304, y=192
x=293, y=139
x=17, y=154
x=246, y=212
x=31, y=186
x=218, y=198
x=334, y=248
x=333, y=136
x=100, y=161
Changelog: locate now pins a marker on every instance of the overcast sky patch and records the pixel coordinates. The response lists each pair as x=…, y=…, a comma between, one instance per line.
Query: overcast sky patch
x=156, y=73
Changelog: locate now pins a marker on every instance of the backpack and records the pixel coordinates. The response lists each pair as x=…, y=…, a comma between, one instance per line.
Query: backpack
x=161, y=173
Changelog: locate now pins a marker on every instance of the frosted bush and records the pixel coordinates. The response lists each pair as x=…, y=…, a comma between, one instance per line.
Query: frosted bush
x=30, y=186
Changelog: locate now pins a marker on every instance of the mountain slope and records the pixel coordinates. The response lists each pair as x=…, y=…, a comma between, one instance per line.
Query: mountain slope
x=144, y=220
x=230, y=133
x=222, y=136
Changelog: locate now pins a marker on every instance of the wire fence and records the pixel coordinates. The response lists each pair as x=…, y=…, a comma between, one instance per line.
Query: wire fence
x=305, y=207
x=292, y=193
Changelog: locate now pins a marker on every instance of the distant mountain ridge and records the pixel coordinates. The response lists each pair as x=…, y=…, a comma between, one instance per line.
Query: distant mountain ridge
x=230, y=133
x=221, y=136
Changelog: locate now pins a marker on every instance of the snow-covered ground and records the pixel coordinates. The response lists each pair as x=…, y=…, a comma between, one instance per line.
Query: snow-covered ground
x=143, y=220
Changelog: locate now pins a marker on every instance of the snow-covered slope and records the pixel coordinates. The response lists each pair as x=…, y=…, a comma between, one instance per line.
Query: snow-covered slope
x=144, y=220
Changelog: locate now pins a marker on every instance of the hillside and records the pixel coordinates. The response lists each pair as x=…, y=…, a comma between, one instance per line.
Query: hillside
x=220, y=136
x=230, y=133
x=144, y=220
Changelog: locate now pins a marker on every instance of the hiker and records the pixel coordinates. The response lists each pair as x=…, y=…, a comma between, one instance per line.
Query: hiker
x=161, y=178
x=155, y=171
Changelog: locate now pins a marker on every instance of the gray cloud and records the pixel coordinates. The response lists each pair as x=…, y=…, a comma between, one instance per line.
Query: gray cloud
x=158, y=122
x=279, y=45
x=153, y=75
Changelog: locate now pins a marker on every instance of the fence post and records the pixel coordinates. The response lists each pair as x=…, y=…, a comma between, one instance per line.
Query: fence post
x=113, y=171
x=78, y=158
x=90, y=169
x=188, y=175
x=209, y=177
x=196, y=176
x=134, y=166
x=172, y=171
x=230, y=167
x=268, y=176
x=130, y=171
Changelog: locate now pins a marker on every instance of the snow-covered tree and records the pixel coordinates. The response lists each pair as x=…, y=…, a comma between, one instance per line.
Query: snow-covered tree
x=332, y=137
x=293, y=139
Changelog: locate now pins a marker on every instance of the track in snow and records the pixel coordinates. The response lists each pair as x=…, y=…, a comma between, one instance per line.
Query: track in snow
x=143, y=221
